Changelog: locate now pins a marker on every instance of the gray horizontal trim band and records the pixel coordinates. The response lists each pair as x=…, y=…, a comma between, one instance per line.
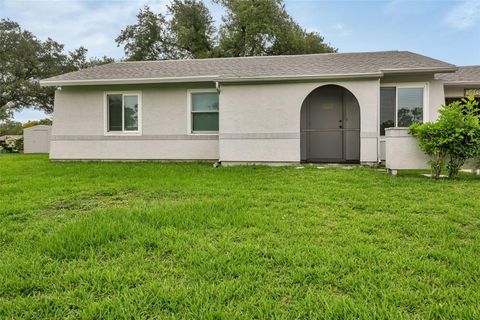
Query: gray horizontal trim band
x=367, y=134
x=268, y=135
x=136, y=138
x=399, y=136
x=329, y=130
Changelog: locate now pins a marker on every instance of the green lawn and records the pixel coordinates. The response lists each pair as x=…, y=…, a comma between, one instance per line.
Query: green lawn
x=158, y=240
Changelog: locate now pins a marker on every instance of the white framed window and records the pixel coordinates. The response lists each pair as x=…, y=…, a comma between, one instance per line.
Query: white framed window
x=203, y=111
x=402, y=104
x=123, y=112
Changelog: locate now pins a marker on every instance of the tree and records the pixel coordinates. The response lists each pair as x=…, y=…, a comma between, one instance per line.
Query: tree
x=148, y=39
x=5, y=113
x=78, y=60
x=10, y=127
x=250, y=28
x=32, y=123
x=263, y=27
x=24, y=60
x=189, y=34
x=192, y=29
x=18, y=66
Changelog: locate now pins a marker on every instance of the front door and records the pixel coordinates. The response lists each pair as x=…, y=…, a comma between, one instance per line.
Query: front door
x=324, y=127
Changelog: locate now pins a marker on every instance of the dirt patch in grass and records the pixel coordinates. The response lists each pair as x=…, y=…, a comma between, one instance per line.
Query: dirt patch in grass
x=94, y=201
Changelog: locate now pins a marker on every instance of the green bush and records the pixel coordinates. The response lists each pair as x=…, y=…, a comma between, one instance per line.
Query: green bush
x=454, y=136
x=431, y=140
x=13, y=146
x=18, y=145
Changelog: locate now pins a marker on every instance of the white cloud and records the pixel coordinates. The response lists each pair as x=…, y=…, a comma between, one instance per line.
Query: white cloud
x=75, y=23
x=341, y=29
x=464, y=15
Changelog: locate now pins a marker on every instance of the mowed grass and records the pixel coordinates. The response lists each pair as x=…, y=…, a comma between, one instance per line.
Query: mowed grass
x=188, y=241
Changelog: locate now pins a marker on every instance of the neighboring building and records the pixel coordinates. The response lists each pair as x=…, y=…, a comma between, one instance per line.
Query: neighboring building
x=36, y=139
x=464, y=82
x=281, y=109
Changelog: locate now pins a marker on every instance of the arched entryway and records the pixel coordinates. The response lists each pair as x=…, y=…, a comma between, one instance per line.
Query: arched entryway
x=330, y=126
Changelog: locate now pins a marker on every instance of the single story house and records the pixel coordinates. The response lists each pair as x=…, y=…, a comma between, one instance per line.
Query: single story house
x=331, y=107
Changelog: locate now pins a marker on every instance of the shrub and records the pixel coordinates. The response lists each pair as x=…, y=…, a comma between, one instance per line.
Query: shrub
x=455, y=135
x=460, y=122
x=430, y=139
x=13, y=146
x=18, y=145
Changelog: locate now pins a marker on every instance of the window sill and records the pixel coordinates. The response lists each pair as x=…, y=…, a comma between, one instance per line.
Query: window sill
x=122, y=134
x=206, y=133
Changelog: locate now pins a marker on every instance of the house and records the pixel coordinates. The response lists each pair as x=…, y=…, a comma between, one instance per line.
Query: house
x=36, y=139
x=331, y=107
x=464, y=82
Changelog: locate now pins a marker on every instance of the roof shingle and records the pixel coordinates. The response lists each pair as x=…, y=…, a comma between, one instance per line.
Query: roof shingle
x=466, y=74
x=264, y=67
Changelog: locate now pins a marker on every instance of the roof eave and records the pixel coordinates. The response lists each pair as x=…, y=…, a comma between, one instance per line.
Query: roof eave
x=417, y=70
x=94, y=82
x=90, y=82
x=461, y=83
x=303, y=77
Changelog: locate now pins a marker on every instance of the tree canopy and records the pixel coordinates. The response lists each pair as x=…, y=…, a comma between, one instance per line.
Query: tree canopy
x=10, y=127
x=249, y=28
x=187, y=30
x=24, y=60
x=32, y=123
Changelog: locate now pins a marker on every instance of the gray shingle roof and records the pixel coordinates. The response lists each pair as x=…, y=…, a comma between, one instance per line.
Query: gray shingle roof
x=464, y=75
x=255, y=68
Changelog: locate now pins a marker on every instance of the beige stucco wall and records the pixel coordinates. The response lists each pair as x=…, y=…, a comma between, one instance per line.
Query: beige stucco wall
x=436, y=98
x=79, y=125
x=261, y=122
x=402, y=151
x=456, y=91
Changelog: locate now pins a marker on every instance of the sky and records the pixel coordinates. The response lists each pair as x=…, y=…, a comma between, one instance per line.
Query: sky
x=445, y=30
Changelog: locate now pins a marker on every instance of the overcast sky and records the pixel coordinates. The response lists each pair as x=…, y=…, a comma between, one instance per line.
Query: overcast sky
x=446, y=30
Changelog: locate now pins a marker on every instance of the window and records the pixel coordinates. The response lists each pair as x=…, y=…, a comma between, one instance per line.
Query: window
x=204, y=112
x=400, y=107
x=123, y=112
x=387, y=108
x=409, y=106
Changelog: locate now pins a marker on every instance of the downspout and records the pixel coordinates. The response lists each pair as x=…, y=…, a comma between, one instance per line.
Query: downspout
x=218, y=162
x=379, y=158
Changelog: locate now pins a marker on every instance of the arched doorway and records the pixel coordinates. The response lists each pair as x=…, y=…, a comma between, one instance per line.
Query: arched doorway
x=330, y=126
